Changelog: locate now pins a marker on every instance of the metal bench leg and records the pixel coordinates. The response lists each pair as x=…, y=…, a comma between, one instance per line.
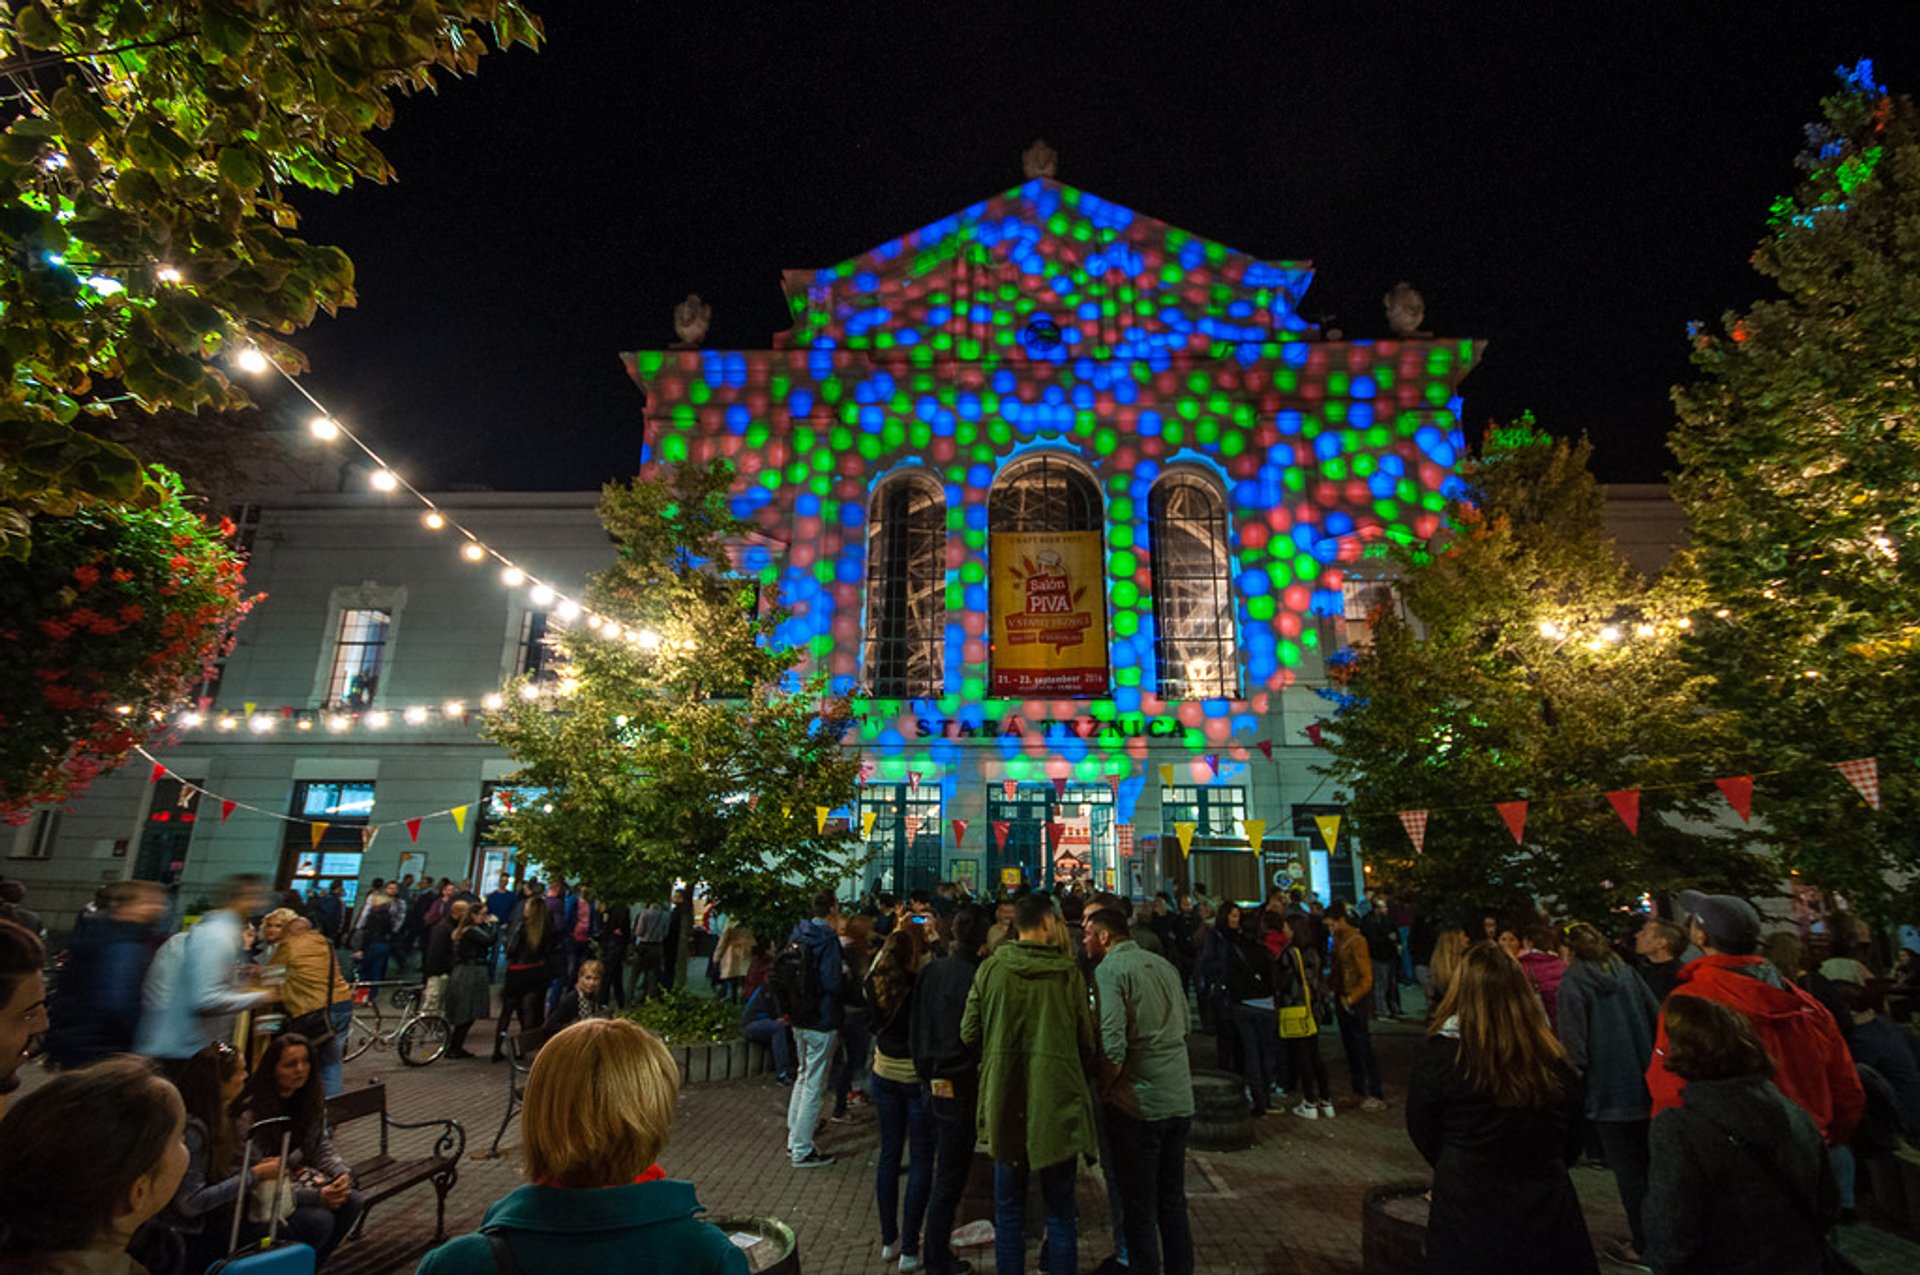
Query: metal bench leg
x=442, y=1183
x=505, y=1120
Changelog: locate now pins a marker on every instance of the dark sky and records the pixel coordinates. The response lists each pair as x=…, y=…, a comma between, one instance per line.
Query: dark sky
x=1571, y=182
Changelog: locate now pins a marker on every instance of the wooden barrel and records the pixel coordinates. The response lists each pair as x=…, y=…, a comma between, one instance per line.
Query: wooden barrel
x=769, y=1244
x=1222, y=1117
x=1393, y=1229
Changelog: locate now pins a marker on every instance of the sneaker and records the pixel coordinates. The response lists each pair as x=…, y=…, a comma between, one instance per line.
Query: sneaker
x=1622, y=1252
x=908, y=1262
x=1374, y=1104
x=843, y=1117
x=889, y=1251
x=1307, y=1111
x=1326, y=1110
x=815, y=1159
x=858, y=1098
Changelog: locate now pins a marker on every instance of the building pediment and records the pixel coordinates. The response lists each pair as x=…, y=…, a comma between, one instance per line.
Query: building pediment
x=1055, y=272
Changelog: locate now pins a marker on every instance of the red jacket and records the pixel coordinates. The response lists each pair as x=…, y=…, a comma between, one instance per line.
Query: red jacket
x=1811, y=1062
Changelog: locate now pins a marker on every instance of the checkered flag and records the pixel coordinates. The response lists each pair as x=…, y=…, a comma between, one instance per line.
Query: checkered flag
x=1864, y=774
x=1415, y=822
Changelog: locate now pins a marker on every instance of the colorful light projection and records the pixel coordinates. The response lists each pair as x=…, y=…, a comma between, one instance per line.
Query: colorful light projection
x=1050, y=318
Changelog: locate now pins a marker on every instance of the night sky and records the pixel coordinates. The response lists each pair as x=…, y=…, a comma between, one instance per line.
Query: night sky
x=1571, y=182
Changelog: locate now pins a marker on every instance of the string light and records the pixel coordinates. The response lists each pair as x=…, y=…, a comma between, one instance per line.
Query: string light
x=512, y=577
x=472, y=551
x=249, y=359
x=384, y=480
x=433, y=521
x=323, y=428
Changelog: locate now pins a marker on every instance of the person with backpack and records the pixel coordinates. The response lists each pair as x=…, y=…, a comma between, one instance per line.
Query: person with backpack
x=806, y=985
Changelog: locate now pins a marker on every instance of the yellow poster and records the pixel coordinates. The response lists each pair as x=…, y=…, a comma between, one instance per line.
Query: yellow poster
x=1329, y=826
x=1049, y=603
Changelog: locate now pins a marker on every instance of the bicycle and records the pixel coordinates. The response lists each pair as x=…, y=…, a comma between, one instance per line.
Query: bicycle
x=418, y=1038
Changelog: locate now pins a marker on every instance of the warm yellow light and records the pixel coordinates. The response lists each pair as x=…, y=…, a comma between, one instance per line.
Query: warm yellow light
x=433, y=521
x=540, y=595
x=1610, y=633
x=492, y=701
x=303, y=724
x=383, y=480
x=377, y=720
x=512, y=577
x=324, y=428
x=1643, y=630
x=454, y=708
x=529, y=691
x=414, y=715
x=472, y=552
x=190, y=720
x=648, y=639
x=249, y=359
x=568, y=610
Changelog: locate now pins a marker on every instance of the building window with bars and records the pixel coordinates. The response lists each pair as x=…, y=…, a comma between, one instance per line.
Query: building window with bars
x=906, y=588
x=1215, y=811
x=1047, y=492
x=358, y=656
x=1362, y=603
x=539, y=654
x=1192, y=590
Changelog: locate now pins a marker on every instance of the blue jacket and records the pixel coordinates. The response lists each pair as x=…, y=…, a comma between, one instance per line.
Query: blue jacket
x=98, y=1005
x=1607, y=1021
x=651, y=1226
x=824, y=944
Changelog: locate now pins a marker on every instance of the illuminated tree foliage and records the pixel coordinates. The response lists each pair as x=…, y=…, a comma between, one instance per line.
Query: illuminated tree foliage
x=1539, y=666
x=1799, y=444
x=146, y=204
x=686, y=749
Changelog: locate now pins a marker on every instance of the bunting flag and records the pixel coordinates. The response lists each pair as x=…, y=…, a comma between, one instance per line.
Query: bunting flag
x=1626, y=804
x=914, y=824
x=866, y=769
x=249, y=706
x=1010, y=787
x=1055, y=831
x=459, y=814
x=820, y=814
x=1166, y=776
x=1415, y=822
x=227, y=808
x=1266, y=748
x=1113, y=786
x=1329, y=826
x=367, y=834
x=866, y=825
x=413, y=831
x=1256, y=830
x=159, y=773
x=286, y=712
x=1515, y=814
x=1000, y=827
x=204, y=703
x=753, y=801
x=959, y=832
x=1213, y=764
x=1739, y=794
x=1184, y=831
x=1313, y=733
x=1864, y=774
x=187, y=793
x=315, y=831
x=1060, y=788
x=913, y=780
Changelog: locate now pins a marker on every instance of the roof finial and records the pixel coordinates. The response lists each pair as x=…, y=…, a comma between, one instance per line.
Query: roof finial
x=690, y=320
x=1406, y=311
x=1040, y=160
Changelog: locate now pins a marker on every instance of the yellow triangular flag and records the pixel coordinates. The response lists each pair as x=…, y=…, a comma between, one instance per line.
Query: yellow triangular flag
x=367, y=834
x=1166, y=775
x=866, y=824
x=459, y=814
x=315, y=831
x=1184, y=831
x=1256, y=831
x=250, y=705
x=820, y=814
x=1329, y=826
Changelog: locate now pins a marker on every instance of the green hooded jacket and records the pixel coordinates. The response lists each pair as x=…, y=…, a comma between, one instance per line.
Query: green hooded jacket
x=650, y=1226
x=1029, y=1016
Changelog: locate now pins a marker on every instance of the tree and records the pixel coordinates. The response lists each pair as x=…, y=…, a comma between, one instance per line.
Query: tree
x=1540, y=667
x=146, y=210
x=686, y=747
x=1799, y=449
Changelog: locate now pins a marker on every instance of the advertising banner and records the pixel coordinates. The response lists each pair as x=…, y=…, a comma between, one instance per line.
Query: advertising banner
x=1049, y=627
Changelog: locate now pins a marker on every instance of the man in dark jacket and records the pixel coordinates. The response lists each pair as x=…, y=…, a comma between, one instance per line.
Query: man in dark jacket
x=436, y=963
x=816, y=1030
x=1383, y=947
x=98, y=1005
x=951, y=1072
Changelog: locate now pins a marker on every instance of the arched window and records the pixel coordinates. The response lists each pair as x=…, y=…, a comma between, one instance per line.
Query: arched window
x=906, y=586
x=1046, y=524
x=1192, y=594
x=1044, y=493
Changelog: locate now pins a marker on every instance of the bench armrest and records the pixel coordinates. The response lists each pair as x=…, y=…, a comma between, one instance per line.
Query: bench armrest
x=452, y=1143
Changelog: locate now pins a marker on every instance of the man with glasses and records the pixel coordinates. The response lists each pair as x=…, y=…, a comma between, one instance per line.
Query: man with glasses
x=23, y=1001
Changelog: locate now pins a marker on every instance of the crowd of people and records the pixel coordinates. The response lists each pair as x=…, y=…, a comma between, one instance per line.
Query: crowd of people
x=1732, y=1081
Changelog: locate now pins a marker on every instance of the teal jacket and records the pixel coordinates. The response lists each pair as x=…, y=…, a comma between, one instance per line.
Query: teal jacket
x=651, y=1226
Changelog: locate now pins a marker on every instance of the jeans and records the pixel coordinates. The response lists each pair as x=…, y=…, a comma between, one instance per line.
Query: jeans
x=853, y=1069
x=1308, y=1067
x=1357, y=1042
x=1386, y=989
x=1116, y=1205
x=772, y=1033
x=329, y=1056
x=373, y=961
x=1010, y=1217
x=953, y=1137
x=904, y=1119
x=1150, y=1160
x=1258, y=1030
x=1845, y=1173
x=1623, y=1143
x=648, y=958
x=1406, y=954
x=809, y=1088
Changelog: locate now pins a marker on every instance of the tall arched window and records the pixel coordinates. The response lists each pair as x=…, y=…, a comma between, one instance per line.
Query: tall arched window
x=1192, y=593
x=1045, y=523
x=906, y=585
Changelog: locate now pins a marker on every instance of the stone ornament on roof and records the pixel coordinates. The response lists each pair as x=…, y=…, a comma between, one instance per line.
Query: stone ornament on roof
x=691, y=319
x=1406, y=311
x=1040, y=160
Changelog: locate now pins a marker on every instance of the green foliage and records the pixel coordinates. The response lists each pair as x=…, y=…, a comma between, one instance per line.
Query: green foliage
x=111, y=620
x=680, y=1018
x=687, y=750
x=146, y=220
x=1799, y=444
x=1543, y=668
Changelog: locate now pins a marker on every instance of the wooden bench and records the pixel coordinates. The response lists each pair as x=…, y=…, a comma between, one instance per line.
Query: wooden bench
x=382, y=1176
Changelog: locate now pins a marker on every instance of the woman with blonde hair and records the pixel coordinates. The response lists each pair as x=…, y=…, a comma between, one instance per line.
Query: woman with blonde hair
x=1448, y=948
x=599, y=1109
x=1495, y=1108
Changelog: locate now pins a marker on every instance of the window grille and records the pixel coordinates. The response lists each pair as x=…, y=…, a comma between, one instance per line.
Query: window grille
x=906, y=578
x=357, y=658
x=1192, y=590
x=1044, y=493
x=1213, y=810
x=1361, y=603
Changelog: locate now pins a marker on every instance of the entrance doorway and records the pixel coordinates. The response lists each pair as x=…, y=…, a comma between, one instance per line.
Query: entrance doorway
x=1087, y=846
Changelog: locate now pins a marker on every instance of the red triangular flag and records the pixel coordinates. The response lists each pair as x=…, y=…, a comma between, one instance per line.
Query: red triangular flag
x=413, y=830
x=1059, y=789
x=1626, y=804
x=1000, y=827
x=1113, y=786
x=1739, y=794
x=159, y=773
x=1515, y=814
x=913, y=780
x=204, y=703
x=1055, y=831
x=227, y=808
x=1415, y=822
x=1011, y=787
x=959, y=831
x=1313, y=733
x=1266, y=748
x=286, y=712
x=1864, y=775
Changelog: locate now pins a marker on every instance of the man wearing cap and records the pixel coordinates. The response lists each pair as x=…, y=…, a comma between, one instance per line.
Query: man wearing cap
x=1811, y=1061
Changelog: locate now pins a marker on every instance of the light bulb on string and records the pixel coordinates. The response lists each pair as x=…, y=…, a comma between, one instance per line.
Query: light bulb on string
x=383, y=480
x=540, y=595
x=324, y=428
x=454, y=708
x=493, y=701
x=377, y=720
x=433, y=520
x=414, y=715
x=512, y=577
x=472, y=551
x=529, y=692
x=568, y=610
x=250, y=359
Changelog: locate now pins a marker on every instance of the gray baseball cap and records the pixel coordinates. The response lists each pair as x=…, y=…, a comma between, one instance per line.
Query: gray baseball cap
x=1728, y=919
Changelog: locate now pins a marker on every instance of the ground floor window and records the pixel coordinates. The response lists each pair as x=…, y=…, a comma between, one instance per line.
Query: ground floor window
x=906, y=835
x=167, y=834
x=493, y=856
x=1051, y=835
x=313, y=860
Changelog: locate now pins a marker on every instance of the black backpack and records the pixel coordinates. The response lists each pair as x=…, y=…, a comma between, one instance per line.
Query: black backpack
x=794, y=981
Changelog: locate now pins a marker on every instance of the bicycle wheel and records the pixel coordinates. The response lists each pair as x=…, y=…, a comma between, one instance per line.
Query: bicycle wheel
x=361, y=1033
x=423, y=1040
